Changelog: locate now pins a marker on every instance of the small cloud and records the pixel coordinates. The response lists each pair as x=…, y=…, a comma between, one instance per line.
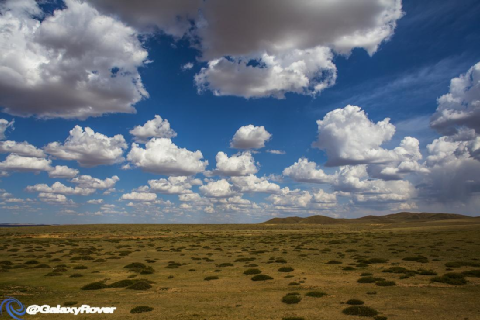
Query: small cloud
x=187, y=66
x=276, y=151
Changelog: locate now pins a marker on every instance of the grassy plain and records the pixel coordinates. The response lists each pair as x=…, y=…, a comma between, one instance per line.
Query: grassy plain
x=197, y=271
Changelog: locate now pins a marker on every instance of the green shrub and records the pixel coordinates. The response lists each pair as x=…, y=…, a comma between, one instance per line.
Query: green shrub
x=261, y=277
x=459, y=264
x=32, y=262
x=223, y=265
x=141, y=309
x=291, y=298
x=355, y=302
x=135, y=265
x=472, y=273
x=369, y=279
x=285, y=269
x=424, y=272
x=249, y=272
x=361, y=311
x=315, y=294
x=80, y=267
x=121, y=284
x=211, y=278
x=42, y=266
x=76, y=275
x=140, y=285
x=95, y=286
x=452, y=278
x=334, y=262
x=349, y=269
x=420, y=259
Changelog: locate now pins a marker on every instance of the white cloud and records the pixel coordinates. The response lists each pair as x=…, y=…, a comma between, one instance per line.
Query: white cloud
x=276, y=151
x=291, y=45
x=54, y=198
x=95, y=201
x=349, y=137
x=303, y=199
x=89, y=148
x=217, y=189
x=75, y=63
x=187, y=66
x=62, y=172
x=250, y=137
x=307, y=171
x=155, y=128
x=461, y=106
x=21, y=148
x=15, y=162
x=252, y=183
x=300, y=71
x=60, y=188
x=139, y=196
x=86, y=181
x=237, y=165
x=4, y=125
x=174, y=185
x=162, y=156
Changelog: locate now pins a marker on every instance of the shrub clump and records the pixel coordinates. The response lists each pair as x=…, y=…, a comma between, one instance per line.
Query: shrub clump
x=249, y=272
x=452, y=278
x=141, y=309
x=384, y=283
x=355, y=302
x=95, y=286
x=472, y=273
x=211, y=278
x=315, y=294
x=369, y=279
x=285, y=269
x=362, y=311
x=140, y=285
x=261, y=277
x=420, y=259
x=334, y=262
x=292, y=298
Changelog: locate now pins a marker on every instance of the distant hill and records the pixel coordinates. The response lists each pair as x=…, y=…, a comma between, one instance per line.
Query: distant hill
x=389, y=218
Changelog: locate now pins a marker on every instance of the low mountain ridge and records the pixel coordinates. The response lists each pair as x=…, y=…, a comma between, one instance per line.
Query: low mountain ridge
x=389, y=218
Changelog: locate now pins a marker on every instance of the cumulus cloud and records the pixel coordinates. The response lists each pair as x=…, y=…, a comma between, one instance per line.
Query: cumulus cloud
x=139, y=196
x=162, y=156
x=4, y=125
x=349, y=137
x=252, y=183
x=54, y=198
x=250, y=137
x=86, y=181
x=14, y=162
x=292, y=49
x=237, y=165
x=89, y=148
x=217, y=189
x=75, y=63
x=60, y=188
x=174, y=185
x=299, y=71
x=21, y=148
x=307, y=171
x=62, y=172
x=155, y=128
x=461, y=106
x=95, y=201
x=303, y=199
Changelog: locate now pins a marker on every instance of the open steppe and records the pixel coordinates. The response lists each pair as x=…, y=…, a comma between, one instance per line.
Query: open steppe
x=403, y=269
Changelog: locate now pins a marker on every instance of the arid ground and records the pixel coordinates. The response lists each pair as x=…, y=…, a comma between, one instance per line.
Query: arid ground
x=410, y=270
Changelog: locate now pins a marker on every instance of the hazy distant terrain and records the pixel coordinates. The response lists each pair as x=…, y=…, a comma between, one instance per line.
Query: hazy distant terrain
x=400, y=266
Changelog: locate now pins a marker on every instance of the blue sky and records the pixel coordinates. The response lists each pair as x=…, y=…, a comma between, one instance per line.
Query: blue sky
x=244, y=89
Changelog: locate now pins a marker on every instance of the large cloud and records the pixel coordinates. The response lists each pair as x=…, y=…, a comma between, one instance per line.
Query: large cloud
x=75, y=63
x=155, y=128
x=349, y=137
x=174, y=185
x=89, y=148
x=252, y=183
x=250, y=137
x=237, y=165
x=461, y=106
x=307, y=171
x=62, y=172
x=60, y=188
x=290, y=44
x=20, y=148
x=162, y=156
x=86, y=181
x=218, y=189
x=139, y=196
x=14, y=162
